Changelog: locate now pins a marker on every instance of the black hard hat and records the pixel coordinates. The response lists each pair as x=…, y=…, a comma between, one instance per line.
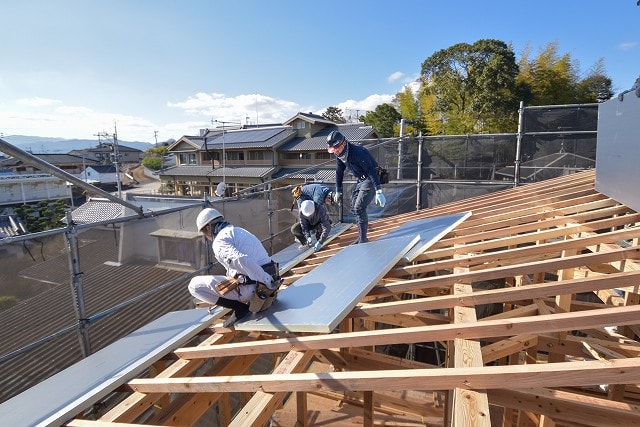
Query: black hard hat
x=334, y=138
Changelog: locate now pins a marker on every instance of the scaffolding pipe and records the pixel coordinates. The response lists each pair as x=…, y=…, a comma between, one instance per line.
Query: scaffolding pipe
x=14, y=151
x=516, y=165
x=399, y=172
x=76, y=287
x=419, y=174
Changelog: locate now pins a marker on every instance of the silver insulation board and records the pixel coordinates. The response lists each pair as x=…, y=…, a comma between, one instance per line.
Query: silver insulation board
x=318, y=301
x=618, y=150
x=60, y=397
x=430, y=230
x=291, y=255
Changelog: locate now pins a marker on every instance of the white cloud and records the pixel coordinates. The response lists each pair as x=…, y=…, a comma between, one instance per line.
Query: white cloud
x=353, y=109
x=37, y=102
x=54, y=119
x=393, y=77
x=246, y=108
x=627, y=45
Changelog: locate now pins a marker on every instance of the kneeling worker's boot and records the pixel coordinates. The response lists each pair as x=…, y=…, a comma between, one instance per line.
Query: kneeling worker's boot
x=240, y=310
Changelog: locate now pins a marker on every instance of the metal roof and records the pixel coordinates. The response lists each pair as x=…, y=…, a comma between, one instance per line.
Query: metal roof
x=11, y=225
x=318, y=142
x=249, y=138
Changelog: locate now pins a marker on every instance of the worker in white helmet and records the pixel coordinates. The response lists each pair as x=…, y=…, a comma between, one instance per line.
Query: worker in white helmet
x=313, y=221
x=251, y=279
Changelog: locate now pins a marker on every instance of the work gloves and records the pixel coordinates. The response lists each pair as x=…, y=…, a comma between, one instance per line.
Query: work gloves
x=309, y=241
x=317, y=246
x=380, y=200
x=337, y=197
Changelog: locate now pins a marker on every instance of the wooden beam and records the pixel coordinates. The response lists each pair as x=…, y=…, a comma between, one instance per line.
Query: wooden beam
x=563, y=374
x=569, y=407
x=263, y=403
x=483, y=329
x=507, y=271
x=537, y=290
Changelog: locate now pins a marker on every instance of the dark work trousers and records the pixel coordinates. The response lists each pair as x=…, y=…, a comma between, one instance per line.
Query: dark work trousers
x=362, y=195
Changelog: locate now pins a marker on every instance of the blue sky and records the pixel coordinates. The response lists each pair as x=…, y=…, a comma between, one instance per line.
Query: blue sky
x=75, y=68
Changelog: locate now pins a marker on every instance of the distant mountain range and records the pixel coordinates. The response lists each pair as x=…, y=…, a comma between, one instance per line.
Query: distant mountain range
x=44, y=145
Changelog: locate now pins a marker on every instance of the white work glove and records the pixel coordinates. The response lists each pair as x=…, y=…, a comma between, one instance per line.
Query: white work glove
x=309, y=241
x=337, y=197
x=317, y=246
x=380, y=200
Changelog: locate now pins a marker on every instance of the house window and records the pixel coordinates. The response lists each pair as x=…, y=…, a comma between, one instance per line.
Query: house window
x=256, y=155
x=235, y=155
x=323, y=155
x=301, y=125
x=188, y=159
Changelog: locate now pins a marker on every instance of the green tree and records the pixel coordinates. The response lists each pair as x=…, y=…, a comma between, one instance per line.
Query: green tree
x=410, y=109
x=553, y=78
x=474, y=86
x=383, y=119
x=160, y=151
x=334, y=114
x=596, y=85
x=153, y=163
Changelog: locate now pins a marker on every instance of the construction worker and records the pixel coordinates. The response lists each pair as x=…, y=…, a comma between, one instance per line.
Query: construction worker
x=363, y=166
x=320, y=194
x=312, y=218
x=251, y=279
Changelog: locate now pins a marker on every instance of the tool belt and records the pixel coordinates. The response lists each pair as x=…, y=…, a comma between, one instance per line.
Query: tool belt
x=263, y=297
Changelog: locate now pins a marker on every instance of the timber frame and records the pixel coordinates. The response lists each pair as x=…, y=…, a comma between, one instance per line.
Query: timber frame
x=556, y=260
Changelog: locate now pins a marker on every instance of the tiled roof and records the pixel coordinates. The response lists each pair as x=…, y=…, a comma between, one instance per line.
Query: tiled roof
x=309, y=117
x=315, y=174
x=241, y=171
x=96, y=211
x=54, y=159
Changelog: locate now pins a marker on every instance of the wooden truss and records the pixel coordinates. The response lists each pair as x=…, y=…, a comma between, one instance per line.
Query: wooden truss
x=532, y=303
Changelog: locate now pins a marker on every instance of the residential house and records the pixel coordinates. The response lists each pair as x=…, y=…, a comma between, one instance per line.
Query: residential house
x=104, y=151
x=99, y=174
x=243, y=157
x=69, y=163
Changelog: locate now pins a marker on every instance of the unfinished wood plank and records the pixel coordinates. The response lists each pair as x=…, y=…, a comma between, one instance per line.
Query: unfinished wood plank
x=482, y=329
x=562, y=374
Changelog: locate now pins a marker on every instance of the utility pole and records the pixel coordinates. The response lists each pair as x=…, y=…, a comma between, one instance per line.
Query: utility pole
x=224, y=154
x=155, y=134
x=115, y=156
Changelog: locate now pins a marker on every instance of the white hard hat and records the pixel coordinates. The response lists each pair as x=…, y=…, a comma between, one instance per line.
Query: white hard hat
x=206, y=216
x=307, y=208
